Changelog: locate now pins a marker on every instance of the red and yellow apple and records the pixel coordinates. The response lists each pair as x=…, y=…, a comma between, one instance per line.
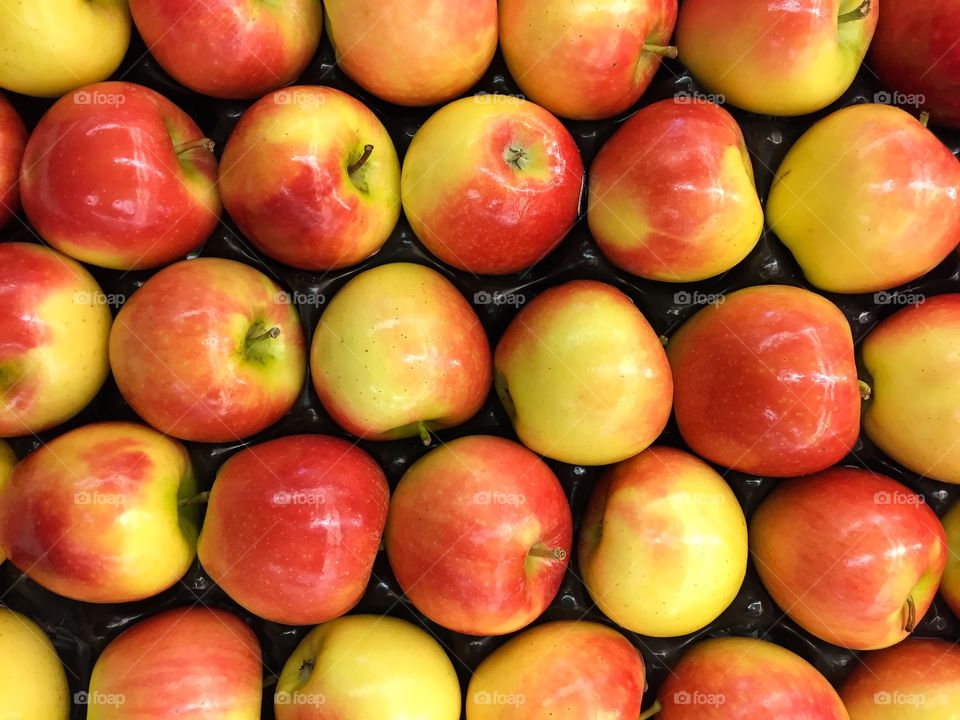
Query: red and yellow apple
x=13, y=139
x=33, y=684
x=950, y=583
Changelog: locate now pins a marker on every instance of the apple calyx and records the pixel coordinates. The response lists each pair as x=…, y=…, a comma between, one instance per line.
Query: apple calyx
x=651, y=711
x=541, y=551
x=516, y=158
x=909, y=615
x=667, y=51
x=306, y=668
x=203, y=143
x=361, y=161
x=198, y=499
x=866, y=392
x=858, y=13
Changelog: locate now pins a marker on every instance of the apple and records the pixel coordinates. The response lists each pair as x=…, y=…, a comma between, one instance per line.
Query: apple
x=913, y=358
x=566, y=670
x=478, y=535
x=147, y=193
x=776, y=58
x=583, y=376
x=399, y=352
x=33, y=684
x=586, y=59
x=870, y=573
x=766, y=382
x=735, y=678
x=312, y=179
x=866, y=199
x=54, y=330
x=915, y=52
x=416, y=52
x=102, y=514
x=950, y=583
x=491, y=184
x=13, y=139
x=916, y=680
x=230, y=48
x=663, y=544
x=672, y=196
x=49, y=47
x=368, y=667
x=209, y=350
x=191, y=663
x=293, y=526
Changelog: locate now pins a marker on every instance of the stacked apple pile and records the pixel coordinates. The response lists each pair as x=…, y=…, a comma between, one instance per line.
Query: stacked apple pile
x=204, y=469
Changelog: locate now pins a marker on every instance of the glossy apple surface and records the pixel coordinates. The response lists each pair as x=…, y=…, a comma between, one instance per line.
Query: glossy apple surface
x=13, y=139
x=230, y=48
x=209, y=350
x=491, y=184
x=297, y=179
x=950, y=583
x=95, y=515
x=54, y=330
x=866, y=200
x=766, y=382
x=33, y=683
x=397, y=350
x=672, y=195
x=418, y=52
x=478, y=535
x=583, y=376
x=568, y=670
x=368, y=667
x=874, y=568
x=585, y=59
x=293, y=526
x=663, y=544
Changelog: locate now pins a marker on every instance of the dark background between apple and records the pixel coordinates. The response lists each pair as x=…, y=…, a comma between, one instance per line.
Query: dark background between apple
x=80, y=631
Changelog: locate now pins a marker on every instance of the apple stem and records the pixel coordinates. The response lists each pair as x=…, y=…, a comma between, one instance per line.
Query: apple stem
x=924, y=118
x=664, y=340
x=910, y=615
x=424, y=432
x=205, y=143
x=651, y=711
x=198, y=499
x=270, y=334
x=866, y=392
x=859, y=13
x=558, y=554
x=668, y=51
x=362, y=160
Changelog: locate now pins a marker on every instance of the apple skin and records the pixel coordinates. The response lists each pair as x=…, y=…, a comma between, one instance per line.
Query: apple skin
x=139, y=202
x=663, y=527
x=914, y=414
x=285, y=180
x=399, y=345
x=191, y=663
x=772, y=57
x=33, y=683
x=13, y=139
x=566, y=670
x=93, y=515
x=478, y=535
x=583, y=375
x=672, y=195
x=878, y=547
x=368, y=667
x=230, y=48
x=736, y=678
x=491, y=184
x=55, y=328
x=950, y=583
x=766, y=382
x=185, y=354
x=49, y=47
x=293, y=526
x=866, y=200
x=584, y=60
x=381, y=48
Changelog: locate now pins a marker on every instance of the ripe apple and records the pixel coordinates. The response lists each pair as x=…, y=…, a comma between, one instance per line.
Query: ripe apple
x=950, y=584
x=209, y=350
x=872, y=571
x=101, y=513
x=399, y=352
x=13, y=139
x=776, y=58
x=583, y=375
x=672, y=196
x=913, y=359
x=368, y=667
x=866, y=200
x=191, y=663
x=663, y=544
x=293, y=526
x=766, y=382
x=230, y=48
x=311, y=177
x=586, y=59
x=147, y=193
x=54, y=330
x=33, y=684
x=416, y=52
x=491, y=184
x=915, y=680
x=735, y=678
x=478, y=535
x=568, y=670
x=49, y=47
